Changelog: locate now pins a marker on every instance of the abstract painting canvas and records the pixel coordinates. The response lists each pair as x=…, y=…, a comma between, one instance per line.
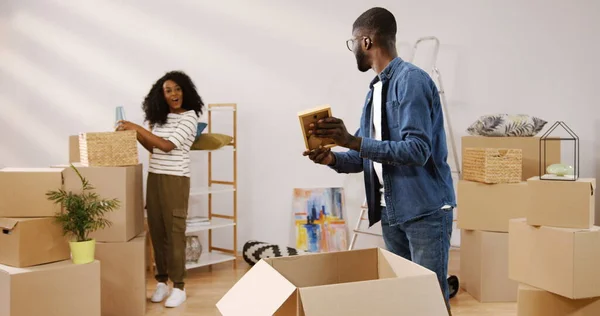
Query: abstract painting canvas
x=319, y=220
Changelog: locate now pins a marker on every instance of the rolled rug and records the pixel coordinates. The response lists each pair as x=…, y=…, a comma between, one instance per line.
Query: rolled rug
x=254, y=251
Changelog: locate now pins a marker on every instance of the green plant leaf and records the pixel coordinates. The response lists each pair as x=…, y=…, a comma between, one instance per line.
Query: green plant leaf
x=82, y=213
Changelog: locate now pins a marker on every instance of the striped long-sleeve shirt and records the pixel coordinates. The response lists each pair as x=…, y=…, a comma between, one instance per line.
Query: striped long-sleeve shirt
x=180, y=129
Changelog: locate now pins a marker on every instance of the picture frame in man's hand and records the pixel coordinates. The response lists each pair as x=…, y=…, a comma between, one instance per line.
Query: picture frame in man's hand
x=311, y=116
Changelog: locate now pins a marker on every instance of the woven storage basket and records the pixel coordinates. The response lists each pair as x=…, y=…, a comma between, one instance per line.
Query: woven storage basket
x=108, y=149
x=493, y=165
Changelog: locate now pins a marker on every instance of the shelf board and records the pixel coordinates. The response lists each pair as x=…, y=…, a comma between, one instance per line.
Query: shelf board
x=211, y=190
x=224, y=148
x=221, y=109
x=208, y=258
x=215, y=224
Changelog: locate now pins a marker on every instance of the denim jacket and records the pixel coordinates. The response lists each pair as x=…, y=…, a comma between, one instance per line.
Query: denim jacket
x=413, y=151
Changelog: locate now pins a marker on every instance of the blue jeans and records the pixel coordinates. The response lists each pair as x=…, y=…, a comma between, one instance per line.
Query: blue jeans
x=424, y=241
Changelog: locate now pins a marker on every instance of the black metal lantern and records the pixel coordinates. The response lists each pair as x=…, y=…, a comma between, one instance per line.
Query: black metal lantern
x=561, y=172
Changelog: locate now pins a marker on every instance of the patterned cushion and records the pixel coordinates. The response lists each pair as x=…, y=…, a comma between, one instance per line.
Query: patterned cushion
x=254, y=251
x=506, y=125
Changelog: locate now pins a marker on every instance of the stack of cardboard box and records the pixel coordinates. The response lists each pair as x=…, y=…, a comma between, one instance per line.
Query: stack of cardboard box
x=484, y=211
x=36, y=273
x=555, y=250
x=121, y=247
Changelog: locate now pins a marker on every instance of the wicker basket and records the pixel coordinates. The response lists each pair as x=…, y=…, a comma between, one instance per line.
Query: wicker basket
x=108, y=149
x=493, y=165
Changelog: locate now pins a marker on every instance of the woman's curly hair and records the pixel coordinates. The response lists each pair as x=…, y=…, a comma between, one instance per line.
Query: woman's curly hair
x=155, y=106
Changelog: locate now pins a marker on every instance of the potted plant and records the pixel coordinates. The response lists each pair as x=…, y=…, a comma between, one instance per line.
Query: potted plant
x=81, y=214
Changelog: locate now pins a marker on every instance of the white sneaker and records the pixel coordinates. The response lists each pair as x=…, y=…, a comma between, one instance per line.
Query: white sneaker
x=177, y=297
x=161, y=292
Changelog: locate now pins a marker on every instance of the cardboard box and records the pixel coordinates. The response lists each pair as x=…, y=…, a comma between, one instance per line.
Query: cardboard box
x=60, y=288
x=23, y=191
x=489, y=207
x=537, y=302
x=74, y=148
x=563, y=261
x=122, y=183
x=569, y=204
x=484, y=266
x=357, y=282
x=123, y=277
x=530, y=147
x=26, y=242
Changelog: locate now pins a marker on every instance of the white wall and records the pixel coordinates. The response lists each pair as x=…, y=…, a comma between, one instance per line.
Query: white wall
x=65, y=65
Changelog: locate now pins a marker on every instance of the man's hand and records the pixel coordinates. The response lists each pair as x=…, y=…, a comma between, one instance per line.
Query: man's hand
x=335, y=129
x=320, y=155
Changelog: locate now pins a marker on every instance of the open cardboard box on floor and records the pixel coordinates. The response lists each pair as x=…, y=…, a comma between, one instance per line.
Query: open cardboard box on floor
x=357, y=282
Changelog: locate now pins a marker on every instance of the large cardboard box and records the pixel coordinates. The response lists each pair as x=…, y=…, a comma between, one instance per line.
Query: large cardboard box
x=123, y=275
x=122, y=183
x=484, y=266
x=357, y=282
x=489, y=207
x=530, y=147
x=56, y=289
x=563, y=261
x=26, y=242
x=537, y=302
x=569, y=204
x=23, y=191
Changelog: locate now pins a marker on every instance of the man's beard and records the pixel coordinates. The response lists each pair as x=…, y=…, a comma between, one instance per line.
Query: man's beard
x=361, y=61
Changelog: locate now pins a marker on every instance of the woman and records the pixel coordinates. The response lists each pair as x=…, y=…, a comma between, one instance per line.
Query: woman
x=172, y=107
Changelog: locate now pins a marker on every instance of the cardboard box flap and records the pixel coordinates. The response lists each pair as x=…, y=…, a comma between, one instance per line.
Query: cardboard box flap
x=399, y=266
x=415, y=295
x=8, y=223
x=244, y=297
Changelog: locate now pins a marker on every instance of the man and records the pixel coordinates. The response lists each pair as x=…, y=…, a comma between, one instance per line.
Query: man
x=401, y=148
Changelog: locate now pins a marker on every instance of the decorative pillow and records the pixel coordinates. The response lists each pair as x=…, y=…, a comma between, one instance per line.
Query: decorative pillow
x=211, y=141
x=201, y=127
x=506, y=125
x=253, y=251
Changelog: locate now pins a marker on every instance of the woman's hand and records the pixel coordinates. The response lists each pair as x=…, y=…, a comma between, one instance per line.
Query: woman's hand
x=127, y=126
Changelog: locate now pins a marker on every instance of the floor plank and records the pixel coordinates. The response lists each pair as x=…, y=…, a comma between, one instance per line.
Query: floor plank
x=205, y=286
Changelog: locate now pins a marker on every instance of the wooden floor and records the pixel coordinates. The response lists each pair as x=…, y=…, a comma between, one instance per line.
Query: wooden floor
x=205, y=286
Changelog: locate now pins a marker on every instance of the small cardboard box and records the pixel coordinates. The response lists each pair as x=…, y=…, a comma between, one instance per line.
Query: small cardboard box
x=530, y=147
x=123, y=277
x=357, y=282
x=537, y=302
x=74, y=148
x=484, y=266
x=23, y=191
x=569, y=204
x=489, y=207
x=312, y=116
x=60, y=288
x=122, y=183
x=563, y=261
x=26, y=242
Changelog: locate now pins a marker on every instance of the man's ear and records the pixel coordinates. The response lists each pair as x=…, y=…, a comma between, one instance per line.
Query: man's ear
x=368, y=43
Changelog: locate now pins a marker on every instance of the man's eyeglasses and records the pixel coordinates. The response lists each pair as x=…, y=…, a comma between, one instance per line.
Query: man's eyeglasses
x=350, y=42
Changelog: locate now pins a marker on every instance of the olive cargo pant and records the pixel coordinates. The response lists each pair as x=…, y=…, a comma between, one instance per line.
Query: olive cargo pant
x=167, y=207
